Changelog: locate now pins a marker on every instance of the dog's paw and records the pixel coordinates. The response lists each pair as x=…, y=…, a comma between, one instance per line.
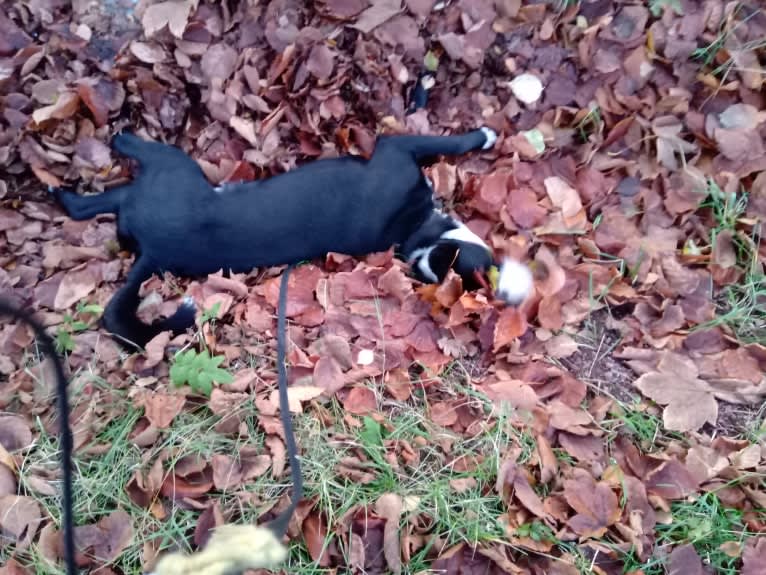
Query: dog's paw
x=491, y=137
x=183, y=318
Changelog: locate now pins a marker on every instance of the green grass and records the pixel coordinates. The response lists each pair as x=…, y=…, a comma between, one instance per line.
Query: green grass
x=741, y=306
x=707, y=524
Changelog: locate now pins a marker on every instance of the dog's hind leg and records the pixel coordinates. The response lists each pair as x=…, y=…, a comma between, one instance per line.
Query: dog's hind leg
x=80, y=207
x=426, y=149
x=120, y=315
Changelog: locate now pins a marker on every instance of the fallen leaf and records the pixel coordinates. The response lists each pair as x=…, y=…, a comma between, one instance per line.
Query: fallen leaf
x=754, y=556
x=107, y=539
x=511, y=324
x=314, y=534
x=360, y=401
x=174, y=14
x=65, y=107
x=15, y=433
x=596, y=504
x=148, y=52
x=321, y=61
x=161, y=408
x=19, y=519
x=390, y=507
x=74, y=287
x=685, y=561
x=227, y=472
x=689, y=401
x=381, y=11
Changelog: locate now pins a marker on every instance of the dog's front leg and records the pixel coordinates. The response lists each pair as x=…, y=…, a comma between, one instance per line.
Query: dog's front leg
x=80, y=207
x=425, y=149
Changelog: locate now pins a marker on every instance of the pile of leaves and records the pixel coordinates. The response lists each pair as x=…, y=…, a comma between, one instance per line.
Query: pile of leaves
x=630, y=173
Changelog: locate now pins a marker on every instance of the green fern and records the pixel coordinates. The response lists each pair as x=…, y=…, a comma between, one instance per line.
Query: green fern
x=198, y=370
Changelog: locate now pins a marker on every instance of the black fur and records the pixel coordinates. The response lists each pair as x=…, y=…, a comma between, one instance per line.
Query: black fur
x=176, y=221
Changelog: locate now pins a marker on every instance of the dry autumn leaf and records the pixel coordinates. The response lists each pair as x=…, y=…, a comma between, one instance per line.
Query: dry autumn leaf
x=689, y=401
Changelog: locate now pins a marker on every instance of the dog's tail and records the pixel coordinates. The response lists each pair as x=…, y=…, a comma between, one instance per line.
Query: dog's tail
x=120, y=315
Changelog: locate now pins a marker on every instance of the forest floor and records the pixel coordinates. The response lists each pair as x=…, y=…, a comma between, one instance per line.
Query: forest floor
x=613, y=424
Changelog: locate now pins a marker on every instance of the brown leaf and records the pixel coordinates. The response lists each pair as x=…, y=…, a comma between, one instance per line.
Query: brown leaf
x=321, y=61
x=596, y=504
x=360, y=401
x=549, y=465
x=7, y=481
x=225, y=403
x=176, y=487
x=75, y=286
x=381, y=11
x=65, y=107
x=148, y=52
x=582, y=447
x=562, y=345
x=689, y=401
x=296, y=394
x=344, y=9
x=390, y=507
x=227, y=472
x=174, y=14
x=443, y=413
x=219, y=61
x=278, y=455
x=685, y=561
x=15, y=433
x=155, y=349
x=566, y=199
x=314, y=534
x=671, y=480
x=524, y=209
x=161, y=408
x=754, y=556
x=511, y=324
x=516, y=392
x=19, y=519
x=328, y=375
x=107, y=539
x=724, y=252
x=739, y=145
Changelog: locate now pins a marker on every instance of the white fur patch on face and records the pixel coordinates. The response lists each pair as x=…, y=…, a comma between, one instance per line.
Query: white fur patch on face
x=515, y=282
x=421, y=255
x=462, y=233
x=491, y=136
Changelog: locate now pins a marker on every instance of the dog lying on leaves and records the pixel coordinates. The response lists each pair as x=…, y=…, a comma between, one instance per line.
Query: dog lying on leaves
x=174, y=220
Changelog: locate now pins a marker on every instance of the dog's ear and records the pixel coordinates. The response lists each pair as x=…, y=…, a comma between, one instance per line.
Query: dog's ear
x=442, y=257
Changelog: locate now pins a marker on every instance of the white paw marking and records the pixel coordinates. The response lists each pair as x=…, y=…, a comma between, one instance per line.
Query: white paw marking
x=421, y=255
x=462, y=233
x=491, y=136
x=515, y=282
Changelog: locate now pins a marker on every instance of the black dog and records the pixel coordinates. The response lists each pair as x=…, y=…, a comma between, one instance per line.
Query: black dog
x=174, y=220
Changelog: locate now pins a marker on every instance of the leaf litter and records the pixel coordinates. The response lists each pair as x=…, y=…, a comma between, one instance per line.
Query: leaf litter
x=629, y=171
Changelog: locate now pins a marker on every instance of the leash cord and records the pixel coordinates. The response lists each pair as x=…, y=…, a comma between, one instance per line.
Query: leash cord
x=279, y=525
x=65, y=433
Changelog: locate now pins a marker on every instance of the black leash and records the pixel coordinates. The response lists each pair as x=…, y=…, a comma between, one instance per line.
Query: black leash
x=65, y=433
x=279, y=525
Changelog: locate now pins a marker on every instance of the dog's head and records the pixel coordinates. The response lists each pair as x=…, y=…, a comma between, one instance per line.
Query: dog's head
x=464, y=252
